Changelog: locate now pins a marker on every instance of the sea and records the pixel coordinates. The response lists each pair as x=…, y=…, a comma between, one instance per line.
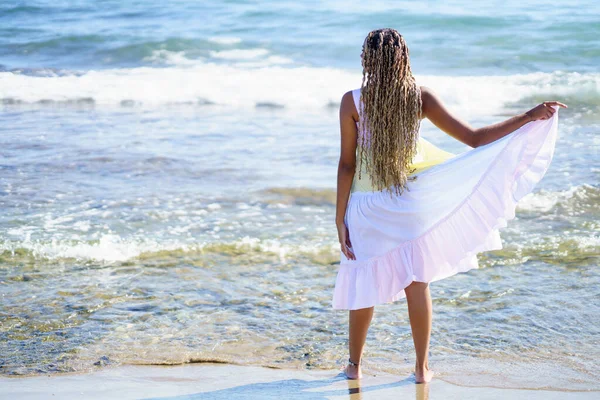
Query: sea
x=168, y=183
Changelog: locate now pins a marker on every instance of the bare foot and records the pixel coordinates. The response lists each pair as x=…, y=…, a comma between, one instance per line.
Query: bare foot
x=352, y=372
x=423, y=375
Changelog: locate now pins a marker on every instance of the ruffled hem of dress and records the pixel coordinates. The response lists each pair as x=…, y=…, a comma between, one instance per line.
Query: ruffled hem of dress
x=452, y=244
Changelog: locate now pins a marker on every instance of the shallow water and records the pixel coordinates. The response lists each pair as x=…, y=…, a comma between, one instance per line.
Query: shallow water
x=167, y=193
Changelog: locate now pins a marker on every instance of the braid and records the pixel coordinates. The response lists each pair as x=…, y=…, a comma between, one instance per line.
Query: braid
x=391, y=114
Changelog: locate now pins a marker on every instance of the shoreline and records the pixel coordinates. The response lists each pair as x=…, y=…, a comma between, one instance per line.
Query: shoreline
x=228, y=381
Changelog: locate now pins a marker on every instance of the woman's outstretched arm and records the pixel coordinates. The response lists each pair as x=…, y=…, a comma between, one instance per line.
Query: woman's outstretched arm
x=434, y=110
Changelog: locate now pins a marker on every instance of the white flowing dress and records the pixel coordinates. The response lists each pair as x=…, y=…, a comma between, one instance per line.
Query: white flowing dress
x=451, y=212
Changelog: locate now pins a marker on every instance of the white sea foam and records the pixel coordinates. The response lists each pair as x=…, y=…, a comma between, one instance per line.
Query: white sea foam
x=250, y=58
x=257, y=83
x=113, y=248
x=109, y=248
x=544, y=201
x=239, y=54
x=240, y=58
x=225, y=39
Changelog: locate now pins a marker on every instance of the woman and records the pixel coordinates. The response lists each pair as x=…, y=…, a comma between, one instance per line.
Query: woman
x=414, y=214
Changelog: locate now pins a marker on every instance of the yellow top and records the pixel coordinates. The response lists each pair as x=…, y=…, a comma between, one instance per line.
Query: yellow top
x=427, y=156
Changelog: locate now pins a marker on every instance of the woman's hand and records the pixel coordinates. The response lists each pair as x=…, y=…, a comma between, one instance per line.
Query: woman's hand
x=345, y=243
x=544, y=110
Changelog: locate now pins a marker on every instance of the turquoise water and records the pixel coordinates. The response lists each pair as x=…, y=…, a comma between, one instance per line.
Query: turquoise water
x=167, y=186
x=449, y=36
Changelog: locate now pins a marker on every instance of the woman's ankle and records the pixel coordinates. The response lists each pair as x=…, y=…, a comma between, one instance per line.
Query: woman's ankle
x=354, y=363
x=422, y=367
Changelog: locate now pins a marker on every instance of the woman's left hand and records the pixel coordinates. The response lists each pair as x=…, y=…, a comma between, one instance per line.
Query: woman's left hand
x=345, y=244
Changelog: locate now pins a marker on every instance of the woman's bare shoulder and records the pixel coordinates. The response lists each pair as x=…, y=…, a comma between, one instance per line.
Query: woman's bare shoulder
x=426, y=93
x=347, y=105
x=429, y=100
x=348, y=96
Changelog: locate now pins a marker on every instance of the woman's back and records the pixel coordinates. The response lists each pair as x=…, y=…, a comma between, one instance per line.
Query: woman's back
x=427, y=156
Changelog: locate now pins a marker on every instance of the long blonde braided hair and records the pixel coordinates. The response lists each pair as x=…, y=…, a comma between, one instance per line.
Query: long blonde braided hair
x=391, y=113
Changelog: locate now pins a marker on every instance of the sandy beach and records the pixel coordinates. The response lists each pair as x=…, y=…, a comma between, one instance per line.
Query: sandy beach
x=220, y=381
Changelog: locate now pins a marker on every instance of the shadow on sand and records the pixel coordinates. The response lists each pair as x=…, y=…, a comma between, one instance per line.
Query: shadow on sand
x=299, y=389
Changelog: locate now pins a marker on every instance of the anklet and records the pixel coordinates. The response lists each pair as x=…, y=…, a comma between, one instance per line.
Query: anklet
x=353, y=363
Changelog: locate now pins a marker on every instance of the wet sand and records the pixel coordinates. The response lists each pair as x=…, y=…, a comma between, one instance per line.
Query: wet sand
x=219, y=381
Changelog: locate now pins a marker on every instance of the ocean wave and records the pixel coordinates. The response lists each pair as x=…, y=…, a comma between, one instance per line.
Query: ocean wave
x=292, y=87
x=112, y=248
x=18, y=9
x=109, y=248
x=100, y=50
x=75, y=235
x=576, y=200
x=225, y=39
x=573, y=249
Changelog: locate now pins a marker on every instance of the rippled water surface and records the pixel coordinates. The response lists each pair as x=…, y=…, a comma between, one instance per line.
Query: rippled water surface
x=167, y=189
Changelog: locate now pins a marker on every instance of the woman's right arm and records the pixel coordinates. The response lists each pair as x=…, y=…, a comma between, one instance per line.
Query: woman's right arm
x=434, y=110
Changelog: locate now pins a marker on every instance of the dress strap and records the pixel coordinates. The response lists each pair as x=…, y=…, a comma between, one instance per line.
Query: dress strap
x=356, y=97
